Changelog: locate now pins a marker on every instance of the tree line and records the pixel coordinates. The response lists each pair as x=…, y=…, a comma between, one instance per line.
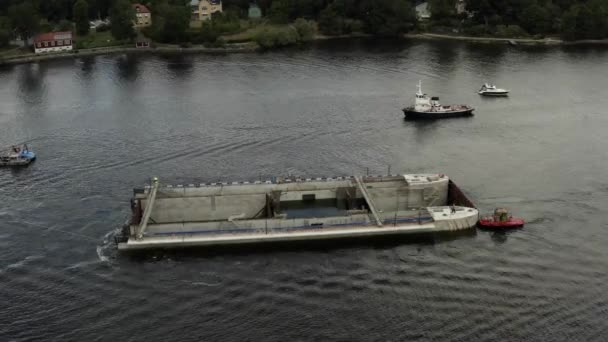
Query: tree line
x=24, y=18
x=572, y=19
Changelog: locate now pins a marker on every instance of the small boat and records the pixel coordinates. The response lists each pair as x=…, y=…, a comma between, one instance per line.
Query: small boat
x=491, y=90
x=427, y=107
x=500, y=219
x=17, y=155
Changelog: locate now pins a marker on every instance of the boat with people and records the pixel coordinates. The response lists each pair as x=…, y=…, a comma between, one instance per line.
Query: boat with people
x=490, y=90
x=501, y=219
x=426, y=107
x=17, y=155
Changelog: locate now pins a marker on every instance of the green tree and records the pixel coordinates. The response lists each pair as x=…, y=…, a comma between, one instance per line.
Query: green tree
x=584, y=26
x=568, y=29
x=170, y=22
x=280, y=11
x=482, y=10
x=55, y=10
x=81, y=17
x=65, y=25
x=4, y=37
x=176, y=21
x=389, y=17
x=24, y=19
x=330, y=22
x=536, y=19
x=599, y=18
x=306, y=29
x=208, y=32
x=270, y=37
x=99, y=8
x=121, y=17
x=442, y=9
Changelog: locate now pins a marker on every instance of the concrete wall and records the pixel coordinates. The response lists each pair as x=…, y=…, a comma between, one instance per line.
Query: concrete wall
x=263, y=226
x=209, y=208
x=259, y=226
x=241, y=188
x=392, y=196
x=220, y=202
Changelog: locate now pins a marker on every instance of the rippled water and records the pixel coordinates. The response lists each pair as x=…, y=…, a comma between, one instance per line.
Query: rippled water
x=103, y=125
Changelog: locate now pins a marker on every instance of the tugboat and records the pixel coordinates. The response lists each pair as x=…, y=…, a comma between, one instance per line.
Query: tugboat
x=491, y=90
x=17, y=156
x=500, y=220
x=427, y=107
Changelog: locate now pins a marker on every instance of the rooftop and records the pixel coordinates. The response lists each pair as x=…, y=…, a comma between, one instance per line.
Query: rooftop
x=139, y=8
x=213, y=2
x=50, y=36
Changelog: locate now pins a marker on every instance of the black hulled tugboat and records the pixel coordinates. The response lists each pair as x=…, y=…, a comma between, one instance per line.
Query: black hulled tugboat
x=427, y=107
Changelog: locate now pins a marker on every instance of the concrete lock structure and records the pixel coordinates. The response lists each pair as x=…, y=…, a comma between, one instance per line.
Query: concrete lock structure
x=292, y=209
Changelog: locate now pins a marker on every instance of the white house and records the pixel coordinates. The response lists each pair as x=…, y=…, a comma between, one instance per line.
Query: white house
x=422, y=11
x=143, y=16
x=53, y=42
x=461, y=6
x=203, y=9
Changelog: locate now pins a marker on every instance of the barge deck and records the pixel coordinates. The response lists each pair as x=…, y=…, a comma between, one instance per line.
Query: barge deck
x=294, y=209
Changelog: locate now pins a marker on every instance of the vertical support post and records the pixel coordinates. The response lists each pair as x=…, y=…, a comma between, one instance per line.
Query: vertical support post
x=368, y=199
x=396, y=207
x=148, y=210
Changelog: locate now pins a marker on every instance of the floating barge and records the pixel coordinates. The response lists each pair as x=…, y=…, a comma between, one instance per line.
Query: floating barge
x=294, y=209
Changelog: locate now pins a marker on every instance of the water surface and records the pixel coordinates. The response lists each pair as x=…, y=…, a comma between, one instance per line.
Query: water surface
x=104, y=125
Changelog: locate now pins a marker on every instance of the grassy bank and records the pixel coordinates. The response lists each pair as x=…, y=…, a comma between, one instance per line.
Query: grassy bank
x=13, y=51
x=95, y=40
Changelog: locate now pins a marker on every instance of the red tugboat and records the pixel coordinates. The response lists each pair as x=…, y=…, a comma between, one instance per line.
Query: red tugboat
x=501, y=219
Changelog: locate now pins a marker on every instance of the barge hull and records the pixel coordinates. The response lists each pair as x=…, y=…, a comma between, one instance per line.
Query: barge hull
x=286, y=210
x=177, y=241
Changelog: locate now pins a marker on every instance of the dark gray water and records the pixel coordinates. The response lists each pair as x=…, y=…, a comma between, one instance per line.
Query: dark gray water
x=103, y=125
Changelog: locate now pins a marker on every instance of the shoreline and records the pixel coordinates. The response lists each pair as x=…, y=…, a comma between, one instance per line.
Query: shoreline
x=30, y=58
x=253, y=47
x=495, y=40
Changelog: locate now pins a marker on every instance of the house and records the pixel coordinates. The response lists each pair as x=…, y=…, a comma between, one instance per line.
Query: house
x=143, y=17
x=461, y=6
x=53, y=42
x=95, y=24
x=422, y=11
x=254, y=11
x=203, y=9
x=142, y=42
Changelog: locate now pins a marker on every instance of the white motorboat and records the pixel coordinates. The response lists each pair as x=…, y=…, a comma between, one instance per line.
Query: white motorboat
x=491, y=90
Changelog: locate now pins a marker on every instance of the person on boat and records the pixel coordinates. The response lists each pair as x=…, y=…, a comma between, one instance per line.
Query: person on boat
x=453, y=207
x=501, y=215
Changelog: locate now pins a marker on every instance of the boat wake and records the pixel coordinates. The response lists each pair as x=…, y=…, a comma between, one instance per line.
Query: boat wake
x=106, y=251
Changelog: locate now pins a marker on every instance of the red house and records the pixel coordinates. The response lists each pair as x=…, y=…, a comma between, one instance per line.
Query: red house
x=53, y=42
